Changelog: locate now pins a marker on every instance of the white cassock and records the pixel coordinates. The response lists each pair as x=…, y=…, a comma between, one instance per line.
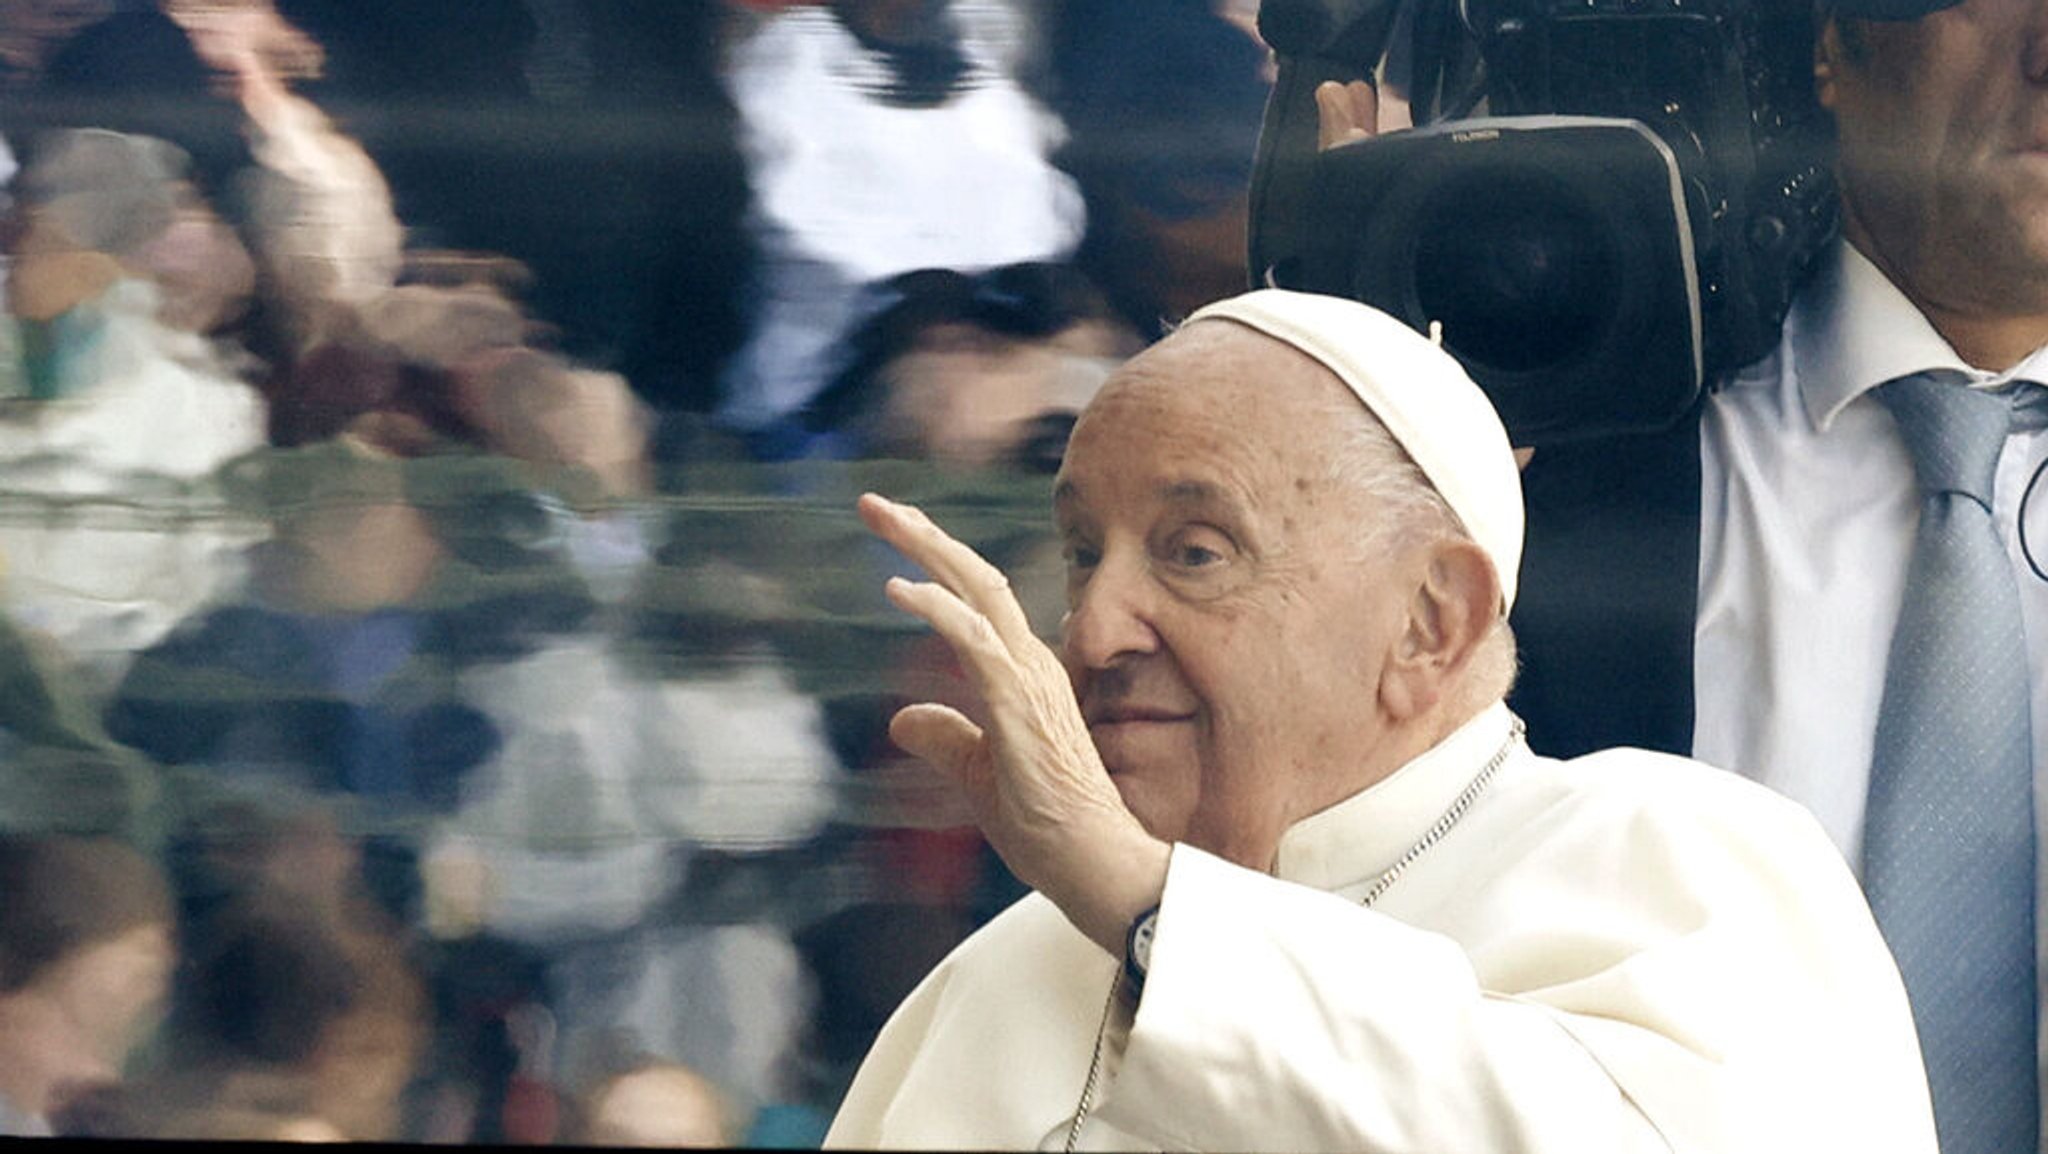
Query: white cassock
x=1624, y=952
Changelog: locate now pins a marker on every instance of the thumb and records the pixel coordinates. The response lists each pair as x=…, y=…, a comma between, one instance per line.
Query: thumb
x=940, y=735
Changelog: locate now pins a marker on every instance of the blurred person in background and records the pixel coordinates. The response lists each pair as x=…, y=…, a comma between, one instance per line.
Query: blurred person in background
x=589, y=140
x=1163, y=99
x=281, y=900
x=634, y=753
x=339, y=670
x=963, y=385
x=120, y=276
x=411, y=368
x=130, y=68
x=320, y=216
x=881, y=136
x=972, y=371
x=290, y=1013
x=86, y=953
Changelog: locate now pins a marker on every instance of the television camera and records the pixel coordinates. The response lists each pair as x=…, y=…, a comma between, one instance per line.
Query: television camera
x=1603, y=204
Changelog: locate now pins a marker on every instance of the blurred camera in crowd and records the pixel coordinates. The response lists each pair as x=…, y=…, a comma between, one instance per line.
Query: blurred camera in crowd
x=1603, y=204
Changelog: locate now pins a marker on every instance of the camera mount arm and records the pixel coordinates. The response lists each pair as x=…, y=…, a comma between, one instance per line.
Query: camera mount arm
x=1314, y=41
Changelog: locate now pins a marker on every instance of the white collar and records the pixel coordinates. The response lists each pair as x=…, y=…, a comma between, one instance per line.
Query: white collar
x=1853, y=330
x=1353, y=842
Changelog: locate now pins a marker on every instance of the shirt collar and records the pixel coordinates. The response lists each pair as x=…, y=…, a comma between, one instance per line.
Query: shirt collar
x=1853, y=330
x=1353, y=842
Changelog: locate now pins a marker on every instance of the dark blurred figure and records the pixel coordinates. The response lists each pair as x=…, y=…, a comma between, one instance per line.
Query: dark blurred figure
x=290, y=1019
x=866, y=959
x=122, y=65
x=86, y=952
x=1163, y=100
x=306, y=1005
x=587, y=139
x=963, y=386
x=31, y=31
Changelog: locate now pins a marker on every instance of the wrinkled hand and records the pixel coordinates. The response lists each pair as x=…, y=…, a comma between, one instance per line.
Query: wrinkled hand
x=1033, y=779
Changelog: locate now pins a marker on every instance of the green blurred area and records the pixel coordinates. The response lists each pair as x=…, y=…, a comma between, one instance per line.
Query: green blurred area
x=741, y=555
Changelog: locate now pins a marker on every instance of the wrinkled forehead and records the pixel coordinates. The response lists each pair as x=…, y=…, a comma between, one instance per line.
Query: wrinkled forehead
x=1217, y=408
x=1219, y=378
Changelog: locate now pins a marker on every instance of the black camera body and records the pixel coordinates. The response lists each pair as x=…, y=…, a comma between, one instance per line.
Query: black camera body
x=1629, y=218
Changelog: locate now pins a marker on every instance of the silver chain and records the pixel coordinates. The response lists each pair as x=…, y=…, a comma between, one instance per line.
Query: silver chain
x=1087, y=1102
x=1450, y=817
x=1435, y=833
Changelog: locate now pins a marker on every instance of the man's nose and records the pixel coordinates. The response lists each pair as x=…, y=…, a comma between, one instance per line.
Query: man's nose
x=1110, y=619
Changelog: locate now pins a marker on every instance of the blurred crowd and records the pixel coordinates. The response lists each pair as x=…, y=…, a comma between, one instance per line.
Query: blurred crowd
x=443, y=685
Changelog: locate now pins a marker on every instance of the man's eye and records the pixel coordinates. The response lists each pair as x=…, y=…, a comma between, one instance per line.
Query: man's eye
x=1082, y=557
x=1197, y=547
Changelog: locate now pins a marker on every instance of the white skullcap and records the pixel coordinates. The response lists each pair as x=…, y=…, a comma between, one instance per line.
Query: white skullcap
x=1419, y=393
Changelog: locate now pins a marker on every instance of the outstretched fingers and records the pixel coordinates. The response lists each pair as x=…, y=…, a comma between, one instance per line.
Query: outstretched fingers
x=959, y=570
x=1033, y=777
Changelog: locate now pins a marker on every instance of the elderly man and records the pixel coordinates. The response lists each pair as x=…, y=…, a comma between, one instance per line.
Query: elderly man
x=1300, y=885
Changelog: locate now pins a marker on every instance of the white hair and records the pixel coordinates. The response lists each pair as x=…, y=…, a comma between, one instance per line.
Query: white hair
x=1408, y=511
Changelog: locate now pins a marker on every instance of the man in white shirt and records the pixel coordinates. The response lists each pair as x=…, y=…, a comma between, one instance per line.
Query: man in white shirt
x=1299, y=884
x=1809, y=504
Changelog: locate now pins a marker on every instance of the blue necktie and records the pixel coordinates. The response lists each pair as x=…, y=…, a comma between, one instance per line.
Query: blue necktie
x=1948, y=852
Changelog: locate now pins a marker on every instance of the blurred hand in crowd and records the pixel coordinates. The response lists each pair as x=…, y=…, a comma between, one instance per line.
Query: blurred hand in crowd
x=538, y=408
x=248, y=40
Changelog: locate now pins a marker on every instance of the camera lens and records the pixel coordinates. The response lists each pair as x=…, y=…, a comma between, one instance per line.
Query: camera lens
x=1521, y=274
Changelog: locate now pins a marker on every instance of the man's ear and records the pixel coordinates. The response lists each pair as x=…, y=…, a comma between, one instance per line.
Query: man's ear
x=1451, y=611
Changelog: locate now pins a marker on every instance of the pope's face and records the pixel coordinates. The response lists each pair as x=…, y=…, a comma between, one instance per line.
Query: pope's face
x=1223, y=636
x=1943, y=126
